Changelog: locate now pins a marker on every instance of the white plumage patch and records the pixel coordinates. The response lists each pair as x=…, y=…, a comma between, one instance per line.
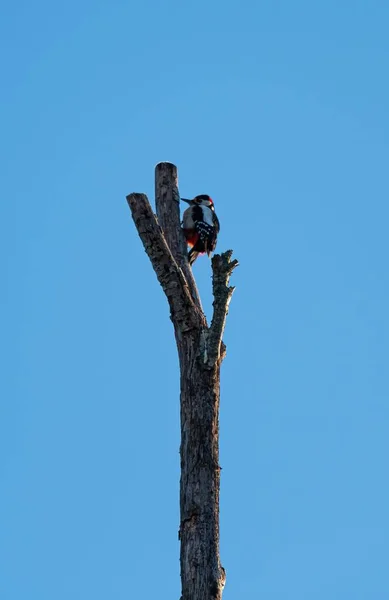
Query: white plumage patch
x=207, y=215
x=187, y=219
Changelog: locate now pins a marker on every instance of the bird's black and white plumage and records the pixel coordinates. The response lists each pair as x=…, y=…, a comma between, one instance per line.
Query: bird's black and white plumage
x=201, y=226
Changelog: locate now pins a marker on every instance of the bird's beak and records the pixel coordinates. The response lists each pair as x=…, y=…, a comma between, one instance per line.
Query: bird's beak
x=186, y=200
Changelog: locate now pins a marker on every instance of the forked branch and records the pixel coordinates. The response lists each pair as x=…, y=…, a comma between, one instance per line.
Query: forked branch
x=184, y=313
x=201, y=351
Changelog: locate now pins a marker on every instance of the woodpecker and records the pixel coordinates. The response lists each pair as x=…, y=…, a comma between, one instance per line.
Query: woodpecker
x=201, y=226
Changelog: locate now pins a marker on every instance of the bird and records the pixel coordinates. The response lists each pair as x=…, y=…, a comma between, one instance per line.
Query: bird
x=200, y=225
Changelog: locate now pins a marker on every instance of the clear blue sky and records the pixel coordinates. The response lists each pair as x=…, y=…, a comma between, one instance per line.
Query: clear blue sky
x=279, y=111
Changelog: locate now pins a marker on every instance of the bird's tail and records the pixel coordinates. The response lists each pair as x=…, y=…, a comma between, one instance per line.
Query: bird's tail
x=193, y=254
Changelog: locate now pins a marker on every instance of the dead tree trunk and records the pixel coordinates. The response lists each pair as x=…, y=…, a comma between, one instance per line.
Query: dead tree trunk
x=201, y=352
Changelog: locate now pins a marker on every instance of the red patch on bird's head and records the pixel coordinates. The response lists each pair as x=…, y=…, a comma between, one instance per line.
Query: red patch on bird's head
x=204, y=199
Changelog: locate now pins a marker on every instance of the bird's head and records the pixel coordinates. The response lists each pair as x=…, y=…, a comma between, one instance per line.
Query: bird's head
x=201, y=200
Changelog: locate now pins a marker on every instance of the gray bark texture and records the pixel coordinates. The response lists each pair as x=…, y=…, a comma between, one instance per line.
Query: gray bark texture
x=201, y=352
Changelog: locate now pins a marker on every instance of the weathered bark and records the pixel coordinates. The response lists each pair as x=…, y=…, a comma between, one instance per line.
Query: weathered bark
x=168, y=214
x=200, y=351
x=182, y=308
